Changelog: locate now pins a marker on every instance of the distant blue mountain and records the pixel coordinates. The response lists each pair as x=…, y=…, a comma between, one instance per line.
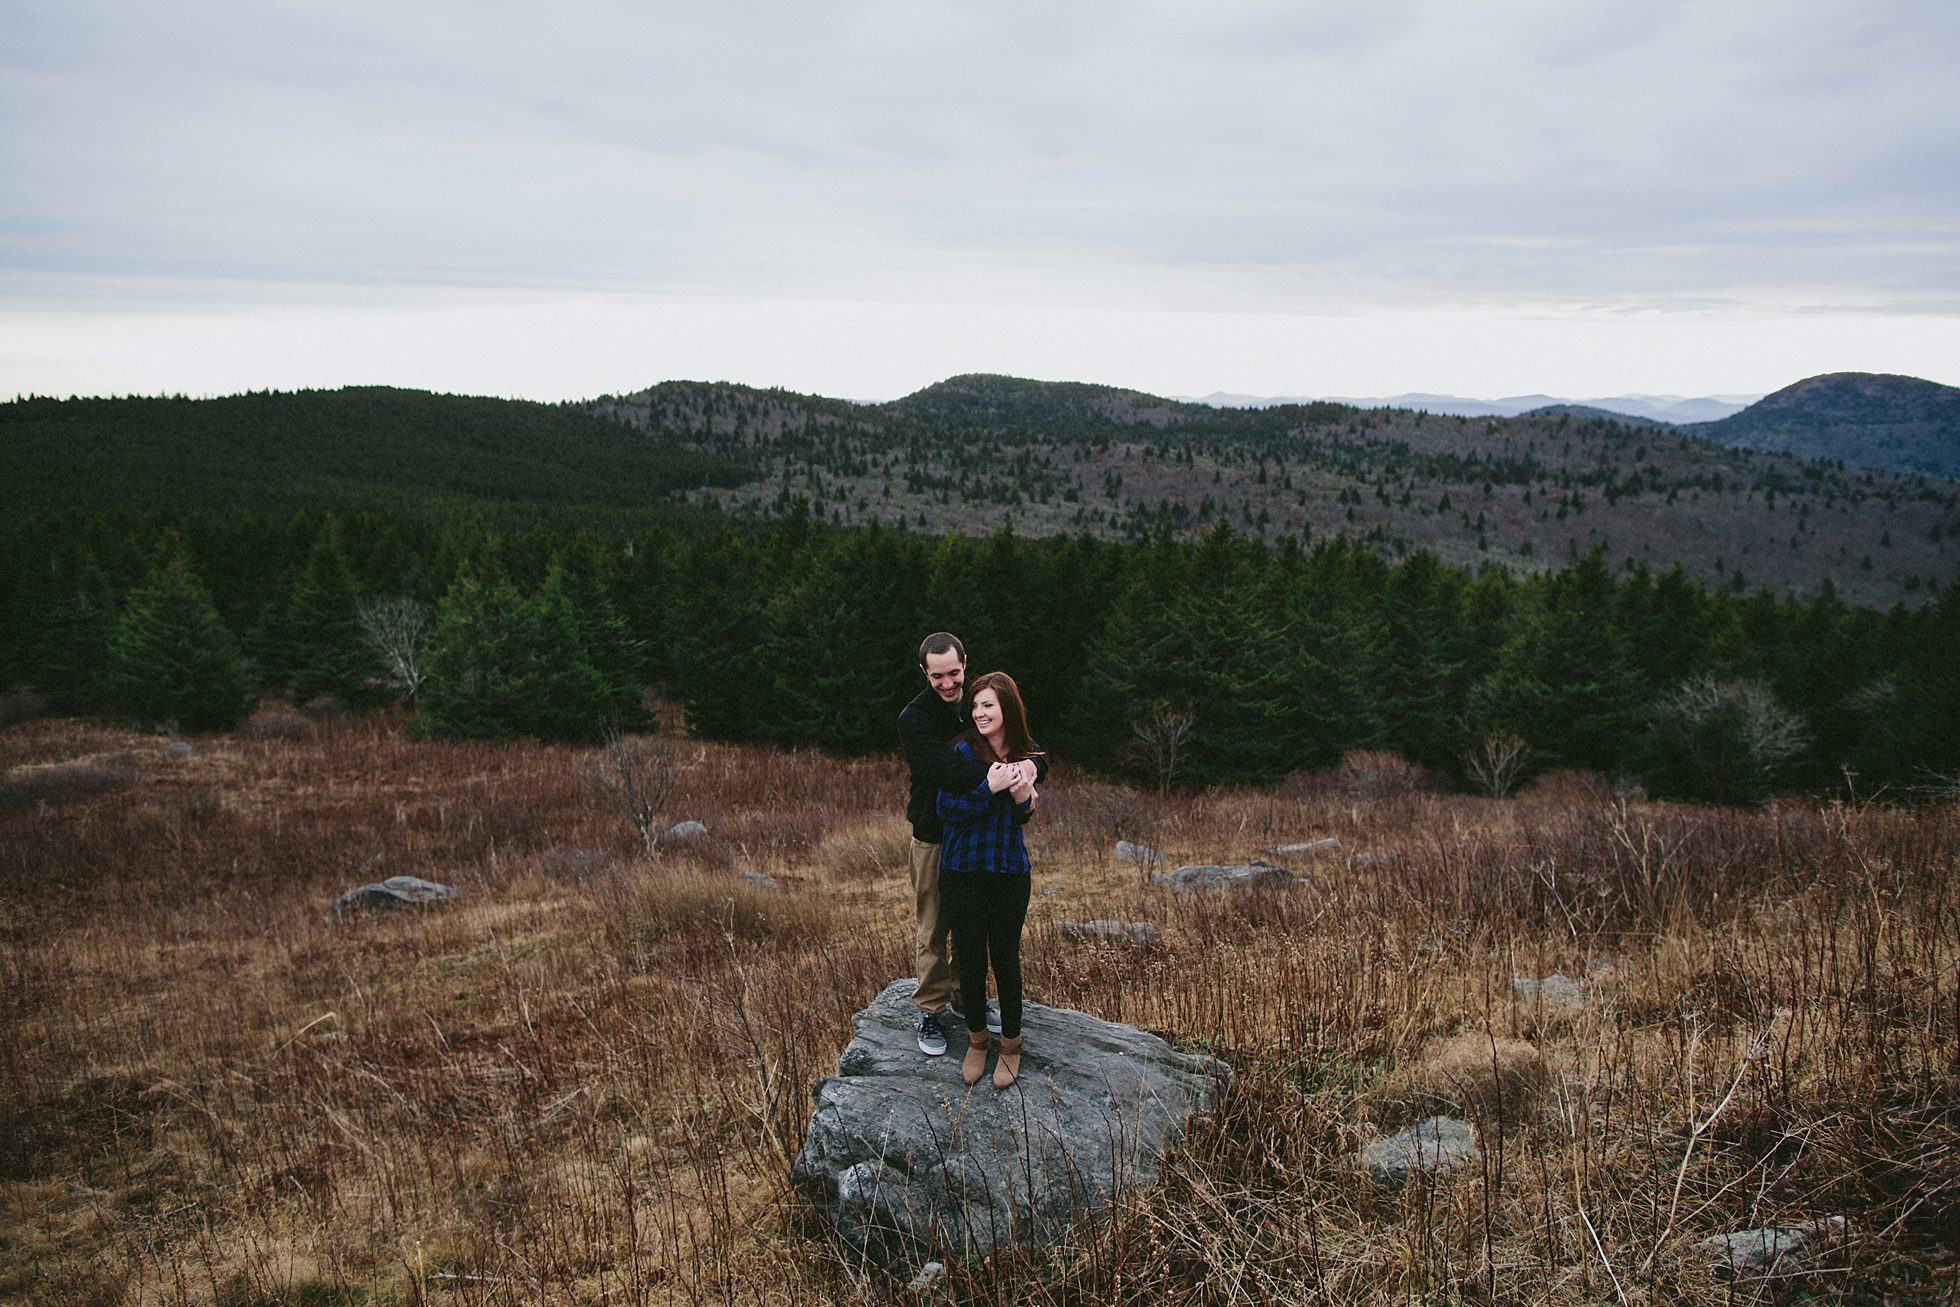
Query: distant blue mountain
x=1671, y=409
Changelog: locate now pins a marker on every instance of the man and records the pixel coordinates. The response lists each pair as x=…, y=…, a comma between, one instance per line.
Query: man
x=926, y=729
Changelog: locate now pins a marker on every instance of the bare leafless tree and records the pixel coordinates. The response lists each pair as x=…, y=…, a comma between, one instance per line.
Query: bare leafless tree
x=1164, y=736
x=397, y=631
x=632, y=775
x=1496, y=762
x=1733, y=733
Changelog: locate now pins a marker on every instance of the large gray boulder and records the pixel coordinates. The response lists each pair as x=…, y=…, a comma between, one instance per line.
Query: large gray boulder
x=1201, y=878
x=394, y=892
x=904, y=1159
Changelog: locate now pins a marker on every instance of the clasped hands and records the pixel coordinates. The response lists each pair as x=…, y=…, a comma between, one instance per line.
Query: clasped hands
x=1015, y=777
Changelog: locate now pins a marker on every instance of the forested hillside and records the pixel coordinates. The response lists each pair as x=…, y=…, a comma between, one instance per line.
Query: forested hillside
x=1529, y=493
x=364, y=448
x=521, y=570
x=1902, y=424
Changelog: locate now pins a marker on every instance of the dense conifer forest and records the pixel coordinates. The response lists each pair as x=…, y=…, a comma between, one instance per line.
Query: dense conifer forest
x=521, y=570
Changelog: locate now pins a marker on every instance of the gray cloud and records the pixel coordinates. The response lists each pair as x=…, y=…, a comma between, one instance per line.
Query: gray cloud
x=1239, y=156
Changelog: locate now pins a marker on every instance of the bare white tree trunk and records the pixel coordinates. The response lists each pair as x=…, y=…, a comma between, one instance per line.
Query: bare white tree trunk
x=397, y=631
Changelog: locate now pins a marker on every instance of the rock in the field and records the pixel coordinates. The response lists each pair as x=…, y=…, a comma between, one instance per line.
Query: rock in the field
x=685, y=830
x=1555, y=990
x=1204, y=877
x=178, y=749
x=1141, y=854
x=903, y=1158
x=929, y=1275
x=760, y=879
x=1366, y=858
x=1436, y=1147
x=1132, y=932
x=1310, y=848
x=1741, y=1252
x=394, y=892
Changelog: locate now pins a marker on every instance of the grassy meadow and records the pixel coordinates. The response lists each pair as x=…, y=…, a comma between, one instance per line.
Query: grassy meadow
x=583, y=1082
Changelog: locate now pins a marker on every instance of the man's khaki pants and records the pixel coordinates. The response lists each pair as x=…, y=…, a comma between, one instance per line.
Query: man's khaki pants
x=932, y=958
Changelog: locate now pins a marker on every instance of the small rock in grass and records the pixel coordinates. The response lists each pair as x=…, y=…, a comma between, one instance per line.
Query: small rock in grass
x=1742, y=1251
x=1134, y=932
x=1207, y=877
x=394, y=892
x=1141, y=854
x=1555, y=990
x=686, y=830
x=1435, y=1146
x=1327, y=845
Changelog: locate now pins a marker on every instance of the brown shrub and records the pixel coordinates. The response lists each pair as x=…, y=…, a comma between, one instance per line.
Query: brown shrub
x=279, y=724
x=326, y=705
x=21, y=704
x=865, y=851
x=1491, y=1079
x=1569, y=789
x=659, y=919
x=1376, y=774
x=66, y=782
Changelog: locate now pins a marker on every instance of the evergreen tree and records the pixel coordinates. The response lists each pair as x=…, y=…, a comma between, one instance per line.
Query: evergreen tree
x=614, y=652
x=323, y=648
x=1415, y=673
x=1566, y=682
x=504, y=664
x=172, y=662
x=66, y=615
x=716, y=630
x=839, y=643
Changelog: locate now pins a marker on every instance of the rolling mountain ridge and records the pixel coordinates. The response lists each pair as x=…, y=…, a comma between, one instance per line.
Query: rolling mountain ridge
x=1876, y=420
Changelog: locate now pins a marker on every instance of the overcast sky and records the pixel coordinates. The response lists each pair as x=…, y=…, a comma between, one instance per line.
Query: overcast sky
x=858, y=199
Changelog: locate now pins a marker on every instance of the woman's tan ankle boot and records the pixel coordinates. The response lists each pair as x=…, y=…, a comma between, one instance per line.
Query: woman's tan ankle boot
x=1008, y=1068
x=974, y=1065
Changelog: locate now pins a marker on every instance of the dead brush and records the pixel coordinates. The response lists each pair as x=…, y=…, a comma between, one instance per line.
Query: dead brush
x=1485, y=1076
x=655, y=918
x=863, y=851
x=25, y=788
x=278, y=723
x=586, y=1089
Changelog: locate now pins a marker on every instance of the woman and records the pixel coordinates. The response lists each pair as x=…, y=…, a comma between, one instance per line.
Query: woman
x=983, y=870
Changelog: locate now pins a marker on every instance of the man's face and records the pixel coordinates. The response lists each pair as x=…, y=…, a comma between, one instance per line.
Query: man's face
x=947, y=675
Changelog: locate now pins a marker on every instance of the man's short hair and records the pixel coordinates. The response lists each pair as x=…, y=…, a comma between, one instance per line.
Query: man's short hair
x=938, y=643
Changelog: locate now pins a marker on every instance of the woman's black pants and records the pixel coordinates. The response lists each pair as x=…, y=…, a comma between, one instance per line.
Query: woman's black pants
x=986, y=910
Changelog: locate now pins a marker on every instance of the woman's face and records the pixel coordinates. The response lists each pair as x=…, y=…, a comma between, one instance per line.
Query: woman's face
x=986, y=711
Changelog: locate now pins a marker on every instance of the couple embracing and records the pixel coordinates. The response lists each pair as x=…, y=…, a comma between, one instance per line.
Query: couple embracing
x=974, y=777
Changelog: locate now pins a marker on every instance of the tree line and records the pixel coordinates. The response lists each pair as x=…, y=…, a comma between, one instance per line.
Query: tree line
x=1189, y=662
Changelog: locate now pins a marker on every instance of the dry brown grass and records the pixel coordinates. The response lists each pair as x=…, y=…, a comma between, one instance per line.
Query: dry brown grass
x=583, y=1081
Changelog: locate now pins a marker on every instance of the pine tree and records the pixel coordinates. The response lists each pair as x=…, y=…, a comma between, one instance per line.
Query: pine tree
x=323, y=648
x=172, y=662
x=504, y=664
x=1419, y=620
x=614, y=652
x=1566, y=682
x=67, y=617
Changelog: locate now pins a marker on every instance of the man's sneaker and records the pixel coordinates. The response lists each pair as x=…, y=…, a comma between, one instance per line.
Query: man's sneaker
x=993, y=1016
x=932, y=1040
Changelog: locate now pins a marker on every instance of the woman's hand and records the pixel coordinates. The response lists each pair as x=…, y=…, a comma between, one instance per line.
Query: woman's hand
x=1002, y=776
